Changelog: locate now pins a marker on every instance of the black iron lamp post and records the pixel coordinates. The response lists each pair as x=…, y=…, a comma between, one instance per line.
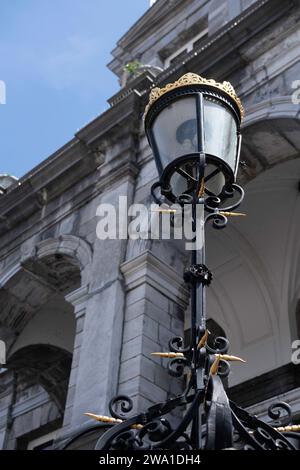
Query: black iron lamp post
x=193, y=128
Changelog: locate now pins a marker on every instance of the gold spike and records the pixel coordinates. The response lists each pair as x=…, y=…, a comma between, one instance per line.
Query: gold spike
x=225, y=357
x=215, y=365
x=232, y=214
x=202, y=189
x=109, y=419
x=169, y=355
x=165, y=211
x=203, y=340
x=103, y=419
x=292, y=428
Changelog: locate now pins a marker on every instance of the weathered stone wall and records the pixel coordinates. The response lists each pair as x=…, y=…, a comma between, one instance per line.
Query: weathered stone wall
x=128, y=297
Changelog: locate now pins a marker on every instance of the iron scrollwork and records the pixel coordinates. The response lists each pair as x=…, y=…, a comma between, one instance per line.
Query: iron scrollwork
x=208, y=419
x=198, y=273
x=227, y=426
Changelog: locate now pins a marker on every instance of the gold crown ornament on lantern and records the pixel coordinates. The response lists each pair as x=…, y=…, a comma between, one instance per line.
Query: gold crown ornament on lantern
x=194, y=79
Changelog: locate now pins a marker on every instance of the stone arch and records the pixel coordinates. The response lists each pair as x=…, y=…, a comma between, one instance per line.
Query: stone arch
x=38, y=378
x=70, y=246
x=55, y=266
x=273, y=108
x=44, y=365
x=33, y=286
x=38, y=324
x=53, y=324
x=271, y=133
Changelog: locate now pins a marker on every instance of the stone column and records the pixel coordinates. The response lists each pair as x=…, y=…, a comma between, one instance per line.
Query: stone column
x=6, y=403
x=154, y=313
x=99, y=312
x=78, y=299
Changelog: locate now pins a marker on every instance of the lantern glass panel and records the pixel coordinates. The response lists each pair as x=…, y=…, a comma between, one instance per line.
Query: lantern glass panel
x=214, y=179
x=175, y=130
x=220, y=132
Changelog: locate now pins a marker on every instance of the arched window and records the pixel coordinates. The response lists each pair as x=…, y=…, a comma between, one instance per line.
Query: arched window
x=40, y=326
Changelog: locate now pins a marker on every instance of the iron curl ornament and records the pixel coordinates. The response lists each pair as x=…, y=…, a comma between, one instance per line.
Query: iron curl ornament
x=226, y=425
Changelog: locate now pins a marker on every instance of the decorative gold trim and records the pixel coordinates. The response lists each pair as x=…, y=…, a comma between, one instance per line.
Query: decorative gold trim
x=292, y=428
x=202, y=189
x=225, y=357
x=194, y=79
x=169, y=355
x=110, y=420
x=165, y=211
x=103, y=419
x=233, y=214
x=203, y=340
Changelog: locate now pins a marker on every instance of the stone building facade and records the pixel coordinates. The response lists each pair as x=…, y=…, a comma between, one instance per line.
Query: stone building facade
x=80, y=316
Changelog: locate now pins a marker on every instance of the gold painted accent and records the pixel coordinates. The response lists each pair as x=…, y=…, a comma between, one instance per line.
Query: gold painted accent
x=168, y=211
x=203, y=340
x=233, y=214
x=291, y=428
x=225, y=357
x=201, y=189
x=169, y=355
x=103, y=419
x=109, y=419
x=194, y=79
x=215, y=365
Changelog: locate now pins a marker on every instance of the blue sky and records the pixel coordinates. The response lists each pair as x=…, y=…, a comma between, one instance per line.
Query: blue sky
x=53, y=56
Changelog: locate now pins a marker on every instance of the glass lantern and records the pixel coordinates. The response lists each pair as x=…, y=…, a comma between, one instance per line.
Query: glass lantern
x=190, y=117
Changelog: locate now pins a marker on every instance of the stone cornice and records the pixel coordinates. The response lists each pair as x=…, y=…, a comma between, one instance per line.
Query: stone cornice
x=219, y=45
x=78, y=299
x=291, y=397
x=147, y=23
x=115, y=119
x=264, y=387
x=70, y=164
x=208, y=59
x=138, y=84
x=127, y=170
x=43, y=184
x=148, y=269
x=152, y=17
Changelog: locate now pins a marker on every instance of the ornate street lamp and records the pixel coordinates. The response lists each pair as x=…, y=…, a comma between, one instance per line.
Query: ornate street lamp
x=193, y=128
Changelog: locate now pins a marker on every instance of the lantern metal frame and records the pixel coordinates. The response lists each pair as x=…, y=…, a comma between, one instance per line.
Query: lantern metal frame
x=199, y=92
